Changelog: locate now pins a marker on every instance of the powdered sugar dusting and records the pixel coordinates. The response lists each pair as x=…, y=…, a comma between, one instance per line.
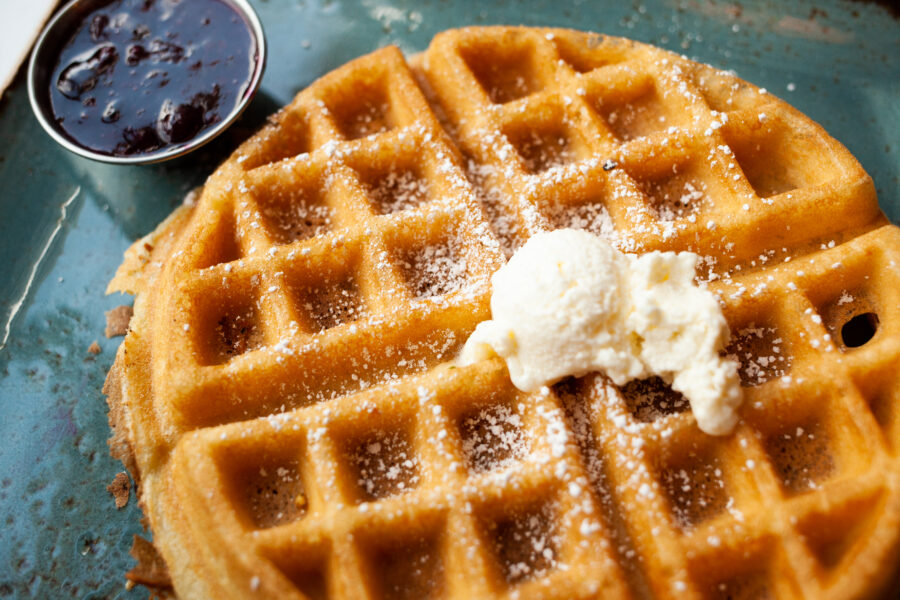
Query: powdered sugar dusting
x=435, y=269
x=492, y=438
x=385, y=464
x=398, y=190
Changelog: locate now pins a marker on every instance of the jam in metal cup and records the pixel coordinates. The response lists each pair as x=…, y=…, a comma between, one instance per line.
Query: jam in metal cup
x=57, y=34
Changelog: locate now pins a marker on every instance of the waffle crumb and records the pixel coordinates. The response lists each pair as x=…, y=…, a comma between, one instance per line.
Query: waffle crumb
x=117, y=321
x=94, y=348
x=119, y=488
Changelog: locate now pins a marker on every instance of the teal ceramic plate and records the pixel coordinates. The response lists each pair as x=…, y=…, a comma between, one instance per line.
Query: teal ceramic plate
x=65, y=221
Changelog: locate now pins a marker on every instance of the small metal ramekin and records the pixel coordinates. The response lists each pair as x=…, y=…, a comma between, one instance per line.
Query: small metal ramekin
x=57, y=33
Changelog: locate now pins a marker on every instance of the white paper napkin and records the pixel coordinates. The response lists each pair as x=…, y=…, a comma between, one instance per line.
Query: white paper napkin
x=20, y=23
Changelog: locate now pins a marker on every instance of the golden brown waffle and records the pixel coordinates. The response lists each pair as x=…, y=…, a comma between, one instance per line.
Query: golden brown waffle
x=287, y=397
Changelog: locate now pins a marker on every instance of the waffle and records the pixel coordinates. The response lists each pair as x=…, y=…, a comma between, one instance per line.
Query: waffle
x=286, y=396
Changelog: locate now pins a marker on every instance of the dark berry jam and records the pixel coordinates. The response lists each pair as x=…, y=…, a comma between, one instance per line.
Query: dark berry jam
x=140, y=75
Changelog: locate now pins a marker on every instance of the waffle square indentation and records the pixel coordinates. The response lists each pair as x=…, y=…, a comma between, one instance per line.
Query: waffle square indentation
x=651, y=399
x=833, y=535
x=882, y=395
x=506, y=72
x=216, y=245
x=762, y=352
x=307, y=567
x=751, y=570
x=635, y=113
x=851, y=317
x=328, y=299
x=803, y=160
x=296, y=212
x=695, y=487
x=545, y=141
x=287, y=137
x=407, y=565
x=588, y=213
x=397, y=189
x=801, y=456
x=583, y=55
x=434, y=269
x=229, y=323
x=265, y=482
x=677, y=192
x=366, y=111
x=525, y=542
x=492, y=437
x=383, y=463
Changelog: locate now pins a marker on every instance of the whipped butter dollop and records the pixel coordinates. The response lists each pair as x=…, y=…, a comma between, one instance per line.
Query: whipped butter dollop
x=568, y=303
